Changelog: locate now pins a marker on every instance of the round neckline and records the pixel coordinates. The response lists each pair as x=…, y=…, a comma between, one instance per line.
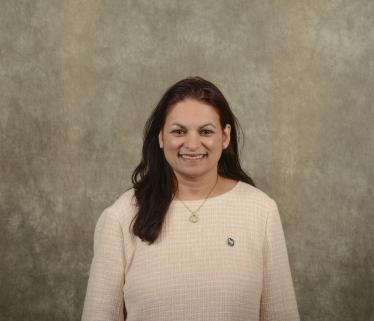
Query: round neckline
x=209, y=198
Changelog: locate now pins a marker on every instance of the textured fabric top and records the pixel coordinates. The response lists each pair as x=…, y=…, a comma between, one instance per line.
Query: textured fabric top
x=232, y=265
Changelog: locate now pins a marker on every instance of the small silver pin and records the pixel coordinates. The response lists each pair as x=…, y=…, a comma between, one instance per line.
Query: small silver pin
x=230, y=241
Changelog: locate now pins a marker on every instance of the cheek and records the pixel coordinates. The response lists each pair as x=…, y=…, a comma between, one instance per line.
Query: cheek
x=172, y=143
x=213, y=143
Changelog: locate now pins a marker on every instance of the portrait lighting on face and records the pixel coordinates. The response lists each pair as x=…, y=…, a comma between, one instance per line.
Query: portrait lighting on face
x=192, y=139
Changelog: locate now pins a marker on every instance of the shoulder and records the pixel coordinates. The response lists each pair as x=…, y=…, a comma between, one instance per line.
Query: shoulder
x=123, y=208
x=256, y=205
x=113, y=225
x=253, y=196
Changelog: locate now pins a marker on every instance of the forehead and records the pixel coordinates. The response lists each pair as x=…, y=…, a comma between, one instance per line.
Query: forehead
x=192, y=111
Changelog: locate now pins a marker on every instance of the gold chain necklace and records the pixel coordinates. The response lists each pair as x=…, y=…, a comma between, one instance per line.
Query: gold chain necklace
x=194, y=218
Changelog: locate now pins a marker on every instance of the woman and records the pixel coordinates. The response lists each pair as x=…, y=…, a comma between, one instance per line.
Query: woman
x=194, y=239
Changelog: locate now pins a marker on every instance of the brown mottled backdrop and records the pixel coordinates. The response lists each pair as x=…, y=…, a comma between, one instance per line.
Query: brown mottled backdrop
x=78, y=79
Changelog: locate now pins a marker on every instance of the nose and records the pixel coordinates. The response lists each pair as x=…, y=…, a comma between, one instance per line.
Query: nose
x=192, y=141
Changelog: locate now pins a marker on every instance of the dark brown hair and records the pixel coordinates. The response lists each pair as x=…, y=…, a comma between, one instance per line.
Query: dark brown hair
x=154, y=181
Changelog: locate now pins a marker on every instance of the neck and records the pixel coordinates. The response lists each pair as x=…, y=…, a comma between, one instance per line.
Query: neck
x=196, y=188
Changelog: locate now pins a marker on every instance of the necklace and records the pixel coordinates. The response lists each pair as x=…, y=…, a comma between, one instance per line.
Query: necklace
x=193, y=217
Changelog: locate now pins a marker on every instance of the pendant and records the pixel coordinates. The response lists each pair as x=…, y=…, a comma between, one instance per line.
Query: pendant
x=194, y=218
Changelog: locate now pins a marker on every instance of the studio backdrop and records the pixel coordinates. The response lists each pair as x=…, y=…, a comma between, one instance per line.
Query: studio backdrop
x=78, y=80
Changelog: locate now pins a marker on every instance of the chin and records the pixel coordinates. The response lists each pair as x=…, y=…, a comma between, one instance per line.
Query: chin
x=191, y=171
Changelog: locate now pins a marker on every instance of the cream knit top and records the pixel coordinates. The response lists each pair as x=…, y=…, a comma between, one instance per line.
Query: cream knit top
x=232, y=265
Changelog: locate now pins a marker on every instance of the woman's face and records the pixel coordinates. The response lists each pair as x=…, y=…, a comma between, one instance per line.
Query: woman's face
x=192, y=138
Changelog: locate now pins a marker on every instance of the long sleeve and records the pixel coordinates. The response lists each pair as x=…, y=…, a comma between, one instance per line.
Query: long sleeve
x=278, y=301
x=104, y=299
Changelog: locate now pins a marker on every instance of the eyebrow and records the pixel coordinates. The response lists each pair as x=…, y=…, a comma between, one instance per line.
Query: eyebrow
x=202, y=126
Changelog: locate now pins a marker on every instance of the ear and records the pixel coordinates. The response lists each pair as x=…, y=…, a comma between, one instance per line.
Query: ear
x=160, y=139
x=226, y=136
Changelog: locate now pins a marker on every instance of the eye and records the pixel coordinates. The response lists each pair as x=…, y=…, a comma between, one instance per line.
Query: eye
x=206, y=131
x=178, y=131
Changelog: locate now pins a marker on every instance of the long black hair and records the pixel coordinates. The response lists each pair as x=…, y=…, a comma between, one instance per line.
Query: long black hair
x=154, y=181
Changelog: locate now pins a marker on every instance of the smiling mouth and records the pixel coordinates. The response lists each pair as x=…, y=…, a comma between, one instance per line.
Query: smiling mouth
x=192, y=156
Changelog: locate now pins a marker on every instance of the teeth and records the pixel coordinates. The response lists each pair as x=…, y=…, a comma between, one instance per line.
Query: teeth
x=192, y=157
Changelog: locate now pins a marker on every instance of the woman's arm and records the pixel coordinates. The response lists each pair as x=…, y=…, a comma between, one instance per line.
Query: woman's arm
x=278, y=301
x=104, y=297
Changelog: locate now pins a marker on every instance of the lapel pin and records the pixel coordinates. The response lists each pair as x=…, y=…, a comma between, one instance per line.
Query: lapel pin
x=230, y=241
